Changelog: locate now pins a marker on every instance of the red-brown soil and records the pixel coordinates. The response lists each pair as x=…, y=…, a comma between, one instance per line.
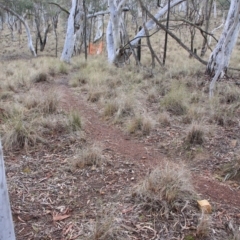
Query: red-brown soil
x=129, y=160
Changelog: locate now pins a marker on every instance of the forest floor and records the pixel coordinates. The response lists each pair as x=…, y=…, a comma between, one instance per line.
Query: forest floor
x=52, y=199
x=65, y=183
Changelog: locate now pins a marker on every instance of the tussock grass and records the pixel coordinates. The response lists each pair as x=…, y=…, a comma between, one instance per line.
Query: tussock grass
x=139, y=125
x=107, y=226
x=229, y=94
x=223, y=114
x=175, y=101
x=195, y=134
x=52, y=124
x=78, y=79
x=62, y=68
x=89, y=156
x=164, y=119
x=152, y=96
x=195, y=113
x=166, y=184
x=75, y=121
x=126, y=108
x=41, y=101
x=20, y=133
x=94, y=95
x=9, y=110
x=40, y=77
x=231, y=170
x=110, y=109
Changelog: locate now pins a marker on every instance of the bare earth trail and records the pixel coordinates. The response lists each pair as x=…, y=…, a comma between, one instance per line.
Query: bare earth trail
x=141, y=153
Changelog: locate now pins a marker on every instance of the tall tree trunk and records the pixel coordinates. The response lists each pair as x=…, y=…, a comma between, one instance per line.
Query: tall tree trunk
x=70, y=35
x=75, y=20
x=220, y=57
x=6, y=222
x=30, y=43
x=116, y=33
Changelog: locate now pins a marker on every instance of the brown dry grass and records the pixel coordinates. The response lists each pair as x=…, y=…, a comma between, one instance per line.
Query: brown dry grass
x=175, y=97
x=89, y=156
x=166, y=184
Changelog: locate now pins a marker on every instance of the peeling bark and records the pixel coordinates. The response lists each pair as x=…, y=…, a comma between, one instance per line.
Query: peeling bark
x=116, y=32
x=74, y=23
x=220, y=57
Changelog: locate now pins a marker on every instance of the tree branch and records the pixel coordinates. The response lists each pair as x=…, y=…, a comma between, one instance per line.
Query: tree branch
x=63, y=9
x=173, y=35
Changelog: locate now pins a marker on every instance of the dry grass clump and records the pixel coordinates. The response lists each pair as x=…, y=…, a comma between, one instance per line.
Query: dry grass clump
x=195, y=134
x=164, y=119
x=204, y=225
x=62, y=68
x=20, y=133
x=232, y=170
x=110, y=109
x=78, y=79
x=152, y=96
x=194, y=113
x=10, y=110
x=139, y=125
x=223, y=115
x=42, y=101
x=108, y=227
x=89, y=156
x=40, y=77
x=175, y=100
x=75, y=121
x=229, y=94
x=120, y=108
x=94, y=96
x=167, y=184
x=126, y=108
x=52, y=124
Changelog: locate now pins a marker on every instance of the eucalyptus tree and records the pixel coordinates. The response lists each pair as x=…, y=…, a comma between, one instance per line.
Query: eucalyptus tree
x=75, y=20
x=17, y=9
x=219, y=59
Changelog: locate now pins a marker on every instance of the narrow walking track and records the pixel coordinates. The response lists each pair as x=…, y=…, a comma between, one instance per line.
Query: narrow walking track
x=114, y=139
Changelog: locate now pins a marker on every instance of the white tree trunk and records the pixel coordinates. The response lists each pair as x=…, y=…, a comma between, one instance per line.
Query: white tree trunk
x=99, y=32
x=75, y=21
x=70, y=35
x=29, y=37
x=6, y=222
x=110, y=43
x=220, y=57
x=115, y=31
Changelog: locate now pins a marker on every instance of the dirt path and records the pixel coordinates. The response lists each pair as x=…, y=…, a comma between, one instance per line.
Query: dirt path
x=143, y=153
